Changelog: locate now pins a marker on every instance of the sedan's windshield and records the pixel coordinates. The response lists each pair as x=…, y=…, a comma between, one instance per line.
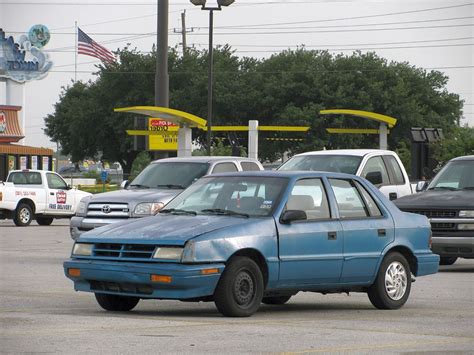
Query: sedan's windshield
x=456, y=175
x=333, y=163
x=241, y=196
x=169, y=175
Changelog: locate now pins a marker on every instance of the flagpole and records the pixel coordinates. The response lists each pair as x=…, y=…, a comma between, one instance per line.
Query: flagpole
x=75, y=52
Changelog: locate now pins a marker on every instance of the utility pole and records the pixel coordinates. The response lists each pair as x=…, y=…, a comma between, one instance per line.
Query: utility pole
x=183, y=32
x=161, y=76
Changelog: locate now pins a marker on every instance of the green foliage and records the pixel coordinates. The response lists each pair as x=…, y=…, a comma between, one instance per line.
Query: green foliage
x=458, y=143
x=289, y=88
x=219, y=149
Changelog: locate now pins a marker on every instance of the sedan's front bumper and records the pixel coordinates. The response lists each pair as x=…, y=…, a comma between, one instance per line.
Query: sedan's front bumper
x=134, y=279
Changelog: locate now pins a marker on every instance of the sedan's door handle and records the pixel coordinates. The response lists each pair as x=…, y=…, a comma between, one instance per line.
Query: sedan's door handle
x=332, y=235
x=381, y=232
x=392, y=196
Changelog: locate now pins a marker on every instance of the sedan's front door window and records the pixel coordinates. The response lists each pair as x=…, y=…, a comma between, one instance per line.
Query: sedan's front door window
x=349, y=201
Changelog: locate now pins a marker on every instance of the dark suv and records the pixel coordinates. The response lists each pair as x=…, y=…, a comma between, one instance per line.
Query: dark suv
x=448, y=202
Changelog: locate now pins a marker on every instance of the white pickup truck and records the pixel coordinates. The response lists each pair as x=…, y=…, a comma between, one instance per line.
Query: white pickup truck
x=383, y=168
x=37, y=194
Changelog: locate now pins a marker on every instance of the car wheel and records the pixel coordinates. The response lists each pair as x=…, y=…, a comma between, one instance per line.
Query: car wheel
x=116, y=303
x=447, y=260
x=393, y=283
x=44, y=221
x=23, y=215
x=240, y=288
x=276, y=300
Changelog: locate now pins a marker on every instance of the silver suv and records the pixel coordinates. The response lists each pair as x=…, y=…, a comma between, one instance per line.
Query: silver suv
x=153, y=188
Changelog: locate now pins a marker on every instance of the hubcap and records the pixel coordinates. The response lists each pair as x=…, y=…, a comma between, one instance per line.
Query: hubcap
x=24, y=215
x=396, y=281
x=244, y=289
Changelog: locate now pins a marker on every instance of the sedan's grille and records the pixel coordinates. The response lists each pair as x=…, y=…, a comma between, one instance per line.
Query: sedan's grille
x=123, y=251
x=435, y=213
x=108, y=210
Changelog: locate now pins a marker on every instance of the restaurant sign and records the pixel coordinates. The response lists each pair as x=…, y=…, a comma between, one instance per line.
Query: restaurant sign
x=23, y=60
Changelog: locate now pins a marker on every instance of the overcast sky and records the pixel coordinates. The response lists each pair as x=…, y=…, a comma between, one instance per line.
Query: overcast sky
x=429, y=34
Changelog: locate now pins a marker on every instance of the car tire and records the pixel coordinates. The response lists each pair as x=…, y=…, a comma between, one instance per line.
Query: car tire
x=393, y=283
x=23, y=215
x=447, y=260
x=116, y=303
x=240, y=288
x=44, y=221
x=276, y=300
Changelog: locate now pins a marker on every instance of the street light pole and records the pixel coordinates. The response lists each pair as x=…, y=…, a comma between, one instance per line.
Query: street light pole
x=211, y=10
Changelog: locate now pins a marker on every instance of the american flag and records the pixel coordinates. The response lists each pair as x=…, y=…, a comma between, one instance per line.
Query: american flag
x=87, y=46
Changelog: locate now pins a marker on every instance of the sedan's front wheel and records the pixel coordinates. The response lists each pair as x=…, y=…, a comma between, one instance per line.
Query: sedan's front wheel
x=393, y=283
x=240, y=288
x=116, y=303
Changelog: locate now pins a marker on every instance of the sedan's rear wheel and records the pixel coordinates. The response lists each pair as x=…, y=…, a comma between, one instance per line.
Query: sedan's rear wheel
x=393, y=283
x=116, y=303
x=240, y=288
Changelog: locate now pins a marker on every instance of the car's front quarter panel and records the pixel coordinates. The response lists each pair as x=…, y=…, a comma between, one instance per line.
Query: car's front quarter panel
x=258, y=235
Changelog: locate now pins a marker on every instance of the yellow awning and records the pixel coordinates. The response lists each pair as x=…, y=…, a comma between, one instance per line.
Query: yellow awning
x=353, y=131
x=390, y=121
x=165, y=113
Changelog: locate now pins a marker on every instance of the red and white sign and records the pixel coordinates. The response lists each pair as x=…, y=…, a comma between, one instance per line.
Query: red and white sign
x=154, y=122
x=61, y=197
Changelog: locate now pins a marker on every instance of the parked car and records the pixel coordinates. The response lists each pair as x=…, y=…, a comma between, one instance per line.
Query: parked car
x=383, y=168
x=154, y=187
x=37, y=194
x=448, y=202
x=244, y=238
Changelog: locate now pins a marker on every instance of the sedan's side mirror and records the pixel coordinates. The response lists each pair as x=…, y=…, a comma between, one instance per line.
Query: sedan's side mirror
x=375, y=177
x=124, y=184
x=293, y=215
x=421, y=186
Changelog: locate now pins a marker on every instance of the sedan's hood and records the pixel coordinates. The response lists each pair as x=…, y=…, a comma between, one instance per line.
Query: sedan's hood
x=162, y=229
x=141, y=195
x=437, y=199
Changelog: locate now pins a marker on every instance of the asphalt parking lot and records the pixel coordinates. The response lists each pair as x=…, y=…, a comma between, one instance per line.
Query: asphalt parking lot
x=41, y=313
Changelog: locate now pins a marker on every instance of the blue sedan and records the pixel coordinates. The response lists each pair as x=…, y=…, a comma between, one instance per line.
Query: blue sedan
x=242, y=239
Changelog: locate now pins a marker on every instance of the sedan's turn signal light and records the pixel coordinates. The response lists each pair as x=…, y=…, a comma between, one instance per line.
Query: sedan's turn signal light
x=74, y=272
x=210, y=271
x=161, y=278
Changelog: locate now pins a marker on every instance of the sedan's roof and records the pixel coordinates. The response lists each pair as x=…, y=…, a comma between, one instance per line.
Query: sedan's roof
x=202, y=159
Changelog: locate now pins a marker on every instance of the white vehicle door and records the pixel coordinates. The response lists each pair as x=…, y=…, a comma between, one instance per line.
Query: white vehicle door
x=61, y=199
x=397, y=176
x=376, y=165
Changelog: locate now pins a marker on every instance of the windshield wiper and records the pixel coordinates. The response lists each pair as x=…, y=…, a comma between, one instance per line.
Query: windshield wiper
x=443, y=188
x=140, y=186
x=171, y=186
x=225, y=212
x=178, y=211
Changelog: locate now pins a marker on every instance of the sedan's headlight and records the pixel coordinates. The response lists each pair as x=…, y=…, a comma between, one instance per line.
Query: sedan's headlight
x=148, y=208
x=169, y=253
x=82, y=249
x=468, y=213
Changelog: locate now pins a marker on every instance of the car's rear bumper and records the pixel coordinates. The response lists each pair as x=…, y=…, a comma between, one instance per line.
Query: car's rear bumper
x=454, y=245
x=134, y=279
x=427, y=264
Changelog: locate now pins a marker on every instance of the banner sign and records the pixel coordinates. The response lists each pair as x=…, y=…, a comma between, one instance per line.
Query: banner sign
x=166, y=137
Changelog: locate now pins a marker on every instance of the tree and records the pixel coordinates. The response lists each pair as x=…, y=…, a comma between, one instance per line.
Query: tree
x=458, y=143
x=289, y=88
